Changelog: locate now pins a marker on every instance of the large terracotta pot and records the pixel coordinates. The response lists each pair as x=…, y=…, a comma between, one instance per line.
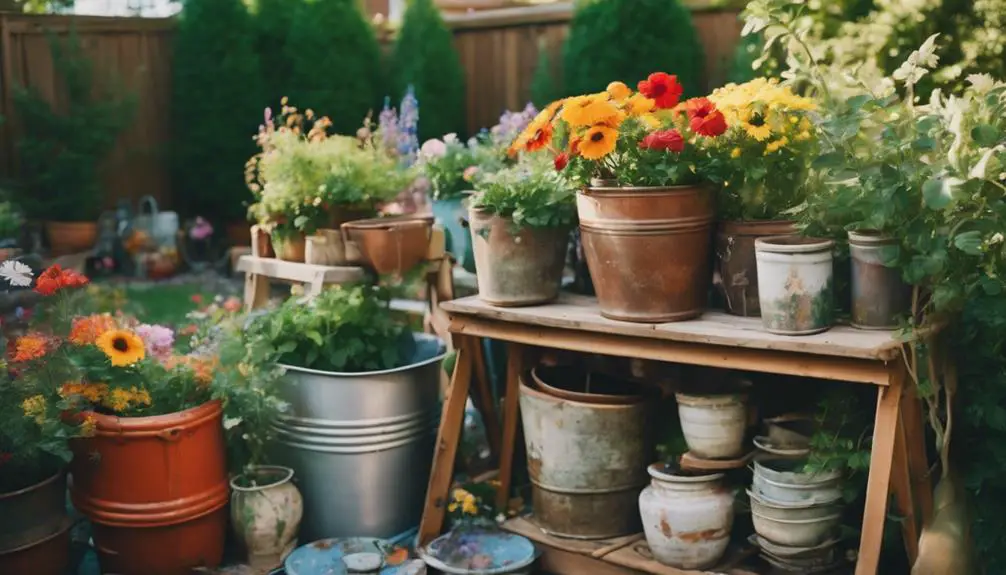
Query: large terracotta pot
x=266, y=509
x=290, y=249
x=71, y=237
x=155, y=489
x=648, y=250
x=35, y=531
x=516, y=268
x=391, y=245
x=735, y=260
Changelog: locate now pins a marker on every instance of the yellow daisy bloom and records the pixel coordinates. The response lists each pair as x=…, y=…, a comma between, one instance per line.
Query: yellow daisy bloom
x=90, y=427
x=618, y=91
x=598, y=142
x=639, y=104
x=589, y=110
x=122, y=347
x=775, y=146
x=651, y=121
x=735, y=153
x=34, y=407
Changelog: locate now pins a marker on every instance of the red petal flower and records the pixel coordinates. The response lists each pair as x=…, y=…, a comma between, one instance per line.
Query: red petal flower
x=704, y=118
x=663, y=140
x=663, y=89
x=56, y=278
x=561, y=161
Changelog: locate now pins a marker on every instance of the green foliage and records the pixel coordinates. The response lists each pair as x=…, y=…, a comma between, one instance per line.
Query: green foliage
x=543, y=85
x=627, y=40
x=273, y=19
x=216, y=107
x=336, y=61
x=10, y=221
x=451, y=166
x=425, y=58
x=63, y=147
x=532, y=194
x=345, y=329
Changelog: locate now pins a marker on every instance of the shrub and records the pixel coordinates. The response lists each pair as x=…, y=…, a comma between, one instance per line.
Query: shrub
x=217, y=98
x=336, y=62
x=543, y=86
x=272, y=27
x=626, y=40
x=425, y=57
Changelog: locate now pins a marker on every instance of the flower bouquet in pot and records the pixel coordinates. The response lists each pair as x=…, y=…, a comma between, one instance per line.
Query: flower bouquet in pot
x=520, y=219
x=645, y=217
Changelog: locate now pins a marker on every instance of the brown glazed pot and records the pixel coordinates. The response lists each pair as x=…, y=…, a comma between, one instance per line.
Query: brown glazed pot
x=880, y=297
x=391, y=245
x=516, y=269
x=156, y=491
x=648, y=250
x=71, y=237
x=735, y=260
x=35, y=531
x=290, y=249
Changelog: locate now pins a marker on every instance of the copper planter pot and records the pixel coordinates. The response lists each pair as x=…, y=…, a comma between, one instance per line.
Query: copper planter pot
x=35, y=531
x=880, y=297
x=648, y=250
x=735, y=261
x=71, y=237
x=290, y=249
x=392, y=245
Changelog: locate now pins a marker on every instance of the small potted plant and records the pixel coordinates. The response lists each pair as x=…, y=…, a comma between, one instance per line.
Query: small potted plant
x=520, y=219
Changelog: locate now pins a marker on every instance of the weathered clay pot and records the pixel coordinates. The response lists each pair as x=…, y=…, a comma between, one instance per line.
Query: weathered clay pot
x=155, y=489
x=687, y=518
x=290, y=249
x=566, y=382
x=391, y=245
x=736, y=263
x=713, y=425
x=34, y=532
x=71, y=237
x=795, y=284
x=516, y=267
x=266, y=509
x=648, y=250
x=879, y=295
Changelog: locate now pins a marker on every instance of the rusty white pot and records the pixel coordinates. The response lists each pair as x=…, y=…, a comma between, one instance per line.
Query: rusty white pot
x=713, y=425
x=687, y=518
x=266, y=509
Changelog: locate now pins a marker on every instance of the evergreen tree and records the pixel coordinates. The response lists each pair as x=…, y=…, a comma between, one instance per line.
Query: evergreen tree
x=272, y=25
x=335, y=62
x=425, y=58
x=543, y=84
x=216, y=108
x=627, y=40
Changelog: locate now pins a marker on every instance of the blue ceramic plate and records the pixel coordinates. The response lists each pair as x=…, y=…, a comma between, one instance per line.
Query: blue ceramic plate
x=481, y=551
x=325, y=557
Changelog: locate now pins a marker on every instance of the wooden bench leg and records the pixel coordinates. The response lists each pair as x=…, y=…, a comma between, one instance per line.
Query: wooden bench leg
x=918, y=461
x=452, y=420
x=256, y=291
x=901, y=485
x=511, y=415
x=885, y=431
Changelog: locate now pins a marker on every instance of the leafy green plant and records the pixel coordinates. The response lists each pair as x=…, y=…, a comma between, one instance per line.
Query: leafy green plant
x=216, y=105
x=627, y=40
x=336, y=61
x=10, y=221
x=532, y=194
x=451, y=166
x=424, y=57
x=63, y=148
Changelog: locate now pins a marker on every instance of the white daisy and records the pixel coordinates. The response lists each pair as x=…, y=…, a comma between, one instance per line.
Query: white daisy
x=17, y=274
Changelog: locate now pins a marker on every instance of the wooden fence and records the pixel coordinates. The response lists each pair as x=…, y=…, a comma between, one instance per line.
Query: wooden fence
x=498, y=48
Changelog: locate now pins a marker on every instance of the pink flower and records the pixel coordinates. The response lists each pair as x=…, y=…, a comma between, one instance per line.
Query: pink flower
x=470, y=173
x=433, y=148
x=232, y=304
x=157, y=339
x=201, y=229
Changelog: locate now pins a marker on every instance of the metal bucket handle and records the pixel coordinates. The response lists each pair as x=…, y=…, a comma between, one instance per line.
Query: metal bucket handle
x=150, y=203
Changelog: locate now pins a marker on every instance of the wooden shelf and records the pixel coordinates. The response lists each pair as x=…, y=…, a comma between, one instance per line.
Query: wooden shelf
x=299, y=272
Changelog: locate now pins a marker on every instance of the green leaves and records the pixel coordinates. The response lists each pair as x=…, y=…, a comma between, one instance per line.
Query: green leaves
x=985, y=135
x=532, y=193
x=969, y=242
x=938, y=192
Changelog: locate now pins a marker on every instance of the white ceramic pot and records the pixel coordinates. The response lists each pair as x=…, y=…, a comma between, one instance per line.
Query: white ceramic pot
x=796, y=532
x=795, y=289
x=713, y=425
x=266, y=509
x=687, y=519
x=782, y=482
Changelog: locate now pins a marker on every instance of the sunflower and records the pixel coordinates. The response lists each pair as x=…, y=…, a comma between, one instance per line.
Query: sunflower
x=598, y=142
x=122, y=347
x=756, y=126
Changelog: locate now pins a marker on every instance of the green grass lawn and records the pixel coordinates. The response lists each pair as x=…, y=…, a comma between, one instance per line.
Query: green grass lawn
x=166, y=304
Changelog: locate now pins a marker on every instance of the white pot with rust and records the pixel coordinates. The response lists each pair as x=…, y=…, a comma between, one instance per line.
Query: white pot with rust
x=266, y=509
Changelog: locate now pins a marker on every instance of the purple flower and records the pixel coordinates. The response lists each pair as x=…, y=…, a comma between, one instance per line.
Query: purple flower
x=201, y=230
x=157, y=339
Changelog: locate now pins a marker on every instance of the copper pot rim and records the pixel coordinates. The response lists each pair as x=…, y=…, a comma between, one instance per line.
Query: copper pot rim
x=637, y=190
x=65, y=525
x=114, y=425
x=44, y=483
x=388, y=224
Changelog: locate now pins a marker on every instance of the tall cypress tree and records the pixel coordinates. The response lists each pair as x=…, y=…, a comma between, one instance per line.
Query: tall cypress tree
x=425, y=57
x=626, y=40
x=216, y=107
x=272, y=26
x=335, y=62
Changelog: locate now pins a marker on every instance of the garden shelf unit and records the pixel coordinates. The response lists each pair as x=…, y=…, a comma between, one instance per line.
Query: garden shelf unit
x=573, y=323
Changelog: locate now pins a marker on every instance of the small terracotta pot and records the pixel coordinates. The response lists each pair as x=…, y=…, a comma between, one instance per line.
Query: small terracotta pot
x=239, y=234
x=390, y=245
x=71, y=237
x=290, y=249
x=262, y=243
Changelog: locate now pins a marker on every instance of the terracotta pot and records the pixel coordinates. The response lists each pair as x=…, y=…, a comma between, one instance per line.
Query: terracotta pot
x=290, y=249
x=155, y=489
x=390, y=245
x=71, y=237
x=266, y=509
x=34, y=533
x=648, y=250
x=880, y=297
x=574, y=384
x=239, y=234
x=736, y=263
x=795, y=284
x=516, y=268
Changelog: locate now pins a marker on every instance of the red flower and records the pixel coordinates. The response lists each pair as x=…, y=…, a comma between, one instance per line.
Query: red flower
x=561, y=161
x=5, y=457
x=663, y=140
x=574, y=147
x=704, y=118
x=56, y=278
x=196, y=299
x=663, y=89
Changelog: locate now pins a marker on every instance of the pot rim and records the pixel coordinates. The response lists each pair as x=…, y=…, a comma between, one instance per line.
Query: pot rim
x=114, y=424
x=655, y=473
x=704, y=400
x=824, y=519
x=527, y=389
x=64, y=525
x=870, y=238
x=752, y=227
x=765, y=464
x=793, y=245
x=55, y=477
x=286, y=477
x=391, y=222
x=764, y=501
x=636, y=190
x=585, y=397
x=440, y=355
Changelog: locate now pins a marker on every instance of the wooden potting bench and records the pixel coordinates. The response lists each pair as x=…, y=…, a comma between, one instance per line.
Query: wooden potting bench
x=897, y=462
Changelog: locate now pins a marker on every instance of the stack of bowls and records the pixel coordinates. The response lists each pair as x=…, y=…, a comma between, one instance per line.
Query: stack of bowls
x=796, y=514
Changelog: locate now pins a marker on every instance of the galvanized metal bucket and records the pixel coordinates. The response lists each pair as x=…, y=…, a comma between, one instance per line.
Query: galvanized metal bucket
x=587, y=463
x=361, y=444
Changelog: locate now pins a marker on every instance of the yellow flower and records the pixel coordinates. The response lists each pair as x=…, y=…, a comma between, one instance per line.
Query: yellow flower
x=756, y=127
x=469, y=507
x=92, y=392
x=538, y=132
x=460, y=495
x=619, y=91
x=598, y=142
x=452, y=507
x=735, y=153
x=639, y=104
x=90, y=426
x=34, y=407
x=775, y=146
x=284, y=100
x=794, y=120
x=590, y=110
x=651, y=121
x=123, y=348
x=802, y=136
x=118, y=400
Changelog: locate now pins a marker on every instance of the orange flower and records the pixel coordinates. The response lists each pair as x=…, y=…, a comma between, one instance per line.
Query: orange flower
x=56, y=278
x=541, y=138
x=86, y=330
x=202, y=367
x=92, y=392
x=29, y=347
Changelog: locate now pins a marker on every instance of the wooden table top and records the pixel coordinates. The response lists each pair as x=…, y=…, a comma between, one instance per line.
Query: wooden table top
x=575, y=312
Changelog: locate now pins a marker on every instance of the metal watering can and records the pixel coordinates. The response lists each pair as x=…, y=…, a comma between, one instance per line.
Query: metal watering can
x=161, y=227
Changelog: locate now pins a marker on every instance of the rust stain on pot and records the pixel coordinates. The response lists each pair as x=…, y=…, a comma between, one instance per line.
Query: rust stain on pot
x=705, y=535
x=323, y=544
x=533, y=466
x=665, y=527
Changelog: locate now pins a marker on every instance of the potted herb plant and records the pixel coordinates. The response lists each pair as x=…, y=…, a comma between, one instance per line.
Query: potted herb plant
x=760, y=168
x=635, y=160
x=363, y=393
x=520, y=219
